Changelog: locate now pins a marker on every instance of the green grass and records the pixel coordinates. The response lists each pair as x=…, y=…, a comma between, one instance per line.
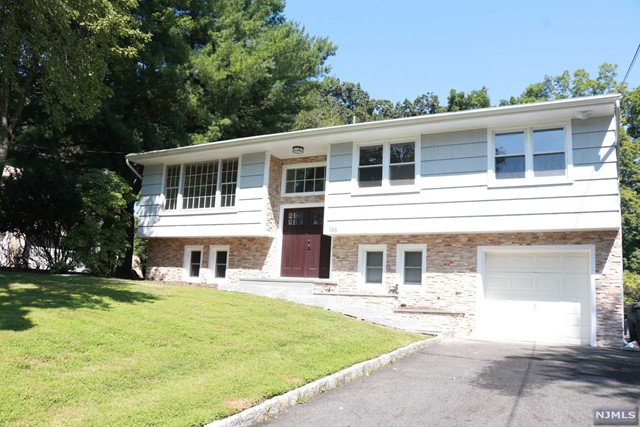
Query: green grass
x=87, y=351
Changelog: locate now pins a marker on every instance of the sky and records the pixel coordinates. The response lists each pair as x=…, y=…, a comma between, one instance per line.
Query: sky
x=403, y=48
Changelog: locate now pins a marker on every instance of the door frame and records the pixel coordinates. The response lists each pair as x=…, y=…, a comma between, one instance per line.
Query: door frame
x=588, y=249
x=281, y=236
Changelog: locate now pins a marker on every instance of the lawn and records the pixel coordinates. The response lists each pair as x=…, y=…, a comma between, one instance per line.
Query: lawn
x=87, y=351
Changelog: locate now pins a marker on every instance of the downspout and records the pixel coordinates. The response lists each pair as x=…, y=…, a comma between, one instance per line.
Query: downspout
x=132, y=168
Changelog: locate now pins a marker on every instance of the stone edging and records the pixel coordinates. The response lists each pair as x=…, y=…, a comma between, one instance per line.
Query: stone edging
x=279, y=404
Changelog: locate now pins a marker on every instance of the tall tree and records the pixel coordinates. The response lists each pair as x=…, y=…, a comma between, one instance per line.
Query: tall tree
x=55, y=54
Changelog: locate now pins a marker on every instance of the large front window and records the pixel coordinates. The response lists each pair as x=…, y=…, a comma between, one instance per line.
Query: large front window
x=387, y=164
x=201, y=185
x=530, y=153
x=304, y=179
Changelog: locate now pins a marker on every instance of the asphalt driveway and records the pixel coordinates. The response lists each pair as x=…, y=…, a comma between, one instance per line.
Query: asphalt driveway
x=476, y=383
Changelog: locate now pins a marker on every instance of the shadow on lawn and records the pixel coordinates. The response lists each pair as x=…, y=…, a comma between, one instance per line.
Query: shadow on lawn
x=20, y=293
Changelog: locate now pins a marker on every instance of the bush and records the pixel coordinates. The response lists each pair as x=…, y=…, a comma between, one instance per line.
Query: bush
x=631, y=287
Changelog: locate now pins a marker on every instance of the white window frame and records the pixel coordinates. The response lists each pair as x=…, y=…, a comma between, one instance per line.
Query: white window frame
x=386, y=162
x=188, y=249
x=400, y=251
x=529, y=178
x=362, y=274
x=211, y=266
x=283, y=185
x=218, y=194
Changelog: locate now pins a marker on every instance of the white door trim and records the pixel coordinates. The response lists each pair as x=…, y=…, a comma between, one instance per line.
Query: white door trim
x=589, y=249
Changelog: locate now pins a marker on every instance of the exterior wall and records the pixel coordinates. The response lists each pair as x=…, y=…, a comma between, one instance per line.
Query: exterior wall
x=453, y=193
x=246, y=218
x=451, y=278
x=249, y=257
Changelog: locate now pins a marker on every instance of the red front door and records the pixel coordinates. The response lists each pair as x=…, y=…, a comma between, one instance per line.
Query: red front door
x=305, y=250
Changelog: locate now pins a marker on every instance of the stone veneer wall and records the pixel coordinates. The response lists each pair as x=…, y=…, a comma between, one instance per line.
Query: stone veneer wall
x=249, y=257
x=450, y=281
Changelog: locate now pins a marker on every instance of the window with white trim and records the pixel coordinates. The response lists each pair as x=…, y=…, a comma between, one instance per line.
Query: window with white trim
x=411, y=263
x=304, y=179
x=201, y=185
x=192, y=263
x=218, y=261
x=371, y=262
x=388, y=163
x=531, y=152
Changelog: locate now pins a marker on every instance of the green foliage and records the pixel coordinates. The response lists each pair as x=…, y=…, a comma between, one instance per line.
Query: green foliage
x=55, y=57
x=40, y=204
x=99, y=239
x=458, y=101
x=96, y=352
x=631, y=287
x=567, y=85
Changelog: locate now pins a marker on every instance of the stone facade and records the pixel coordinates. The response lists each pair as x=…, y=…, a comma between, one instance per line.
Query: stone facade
x=448, y=297
x=451, y=277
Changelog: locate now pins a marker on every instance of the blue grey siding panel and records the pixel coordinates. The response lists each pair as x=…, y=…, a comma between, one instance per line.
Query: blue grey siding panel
x=452, y=138
x=594, y=155
x=592, y=139
x=454, y=152
x=454, y=166
x=340, y=161
x=593, y=124
x=457, y=151
x=252, y=170
x=150, y=189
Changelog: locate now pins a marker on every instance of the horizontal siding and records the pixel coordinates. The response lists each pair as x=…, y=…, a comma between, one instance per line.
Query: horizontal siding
x=247, y=218
x=340, y=162
x=488, y=224
x=452, y=194
x=454, y=153
x=477, y=208
x=252, y=167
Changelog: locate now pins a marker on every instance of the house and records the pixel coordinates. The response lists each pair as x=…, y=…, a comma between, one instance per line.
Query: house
x=502, y=222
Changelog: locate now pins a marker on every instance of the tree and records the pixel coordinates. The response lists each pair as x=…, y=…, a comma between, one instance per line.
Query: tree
x=458, y=101
x=99, y=238
x=54, y=56
x=39, y=204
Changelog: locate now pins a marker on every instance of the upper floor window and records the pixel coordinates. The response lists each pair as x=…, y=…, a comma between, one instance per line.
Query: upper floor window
x=201, y=185
x=392, y=163
x=304, y=179
x=530, y=153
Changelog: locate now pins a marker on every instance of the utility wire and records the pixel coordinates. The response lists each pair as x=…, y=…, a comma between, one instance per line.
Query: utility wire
x=633, y=61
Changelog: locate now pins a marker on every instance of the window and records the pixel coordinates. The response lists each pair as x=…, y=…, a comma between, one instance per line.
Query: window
x=410, y=264
x=305, y=179
x=386, y=164
x=218, y=261
x=372, y=259
x=202, y=185
x=530, y=153
x=192, y=263
x=171, y=187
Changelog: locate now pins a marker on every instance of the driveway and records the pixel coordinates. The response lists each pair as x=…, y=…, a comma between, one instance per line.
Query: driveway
x=477, y=383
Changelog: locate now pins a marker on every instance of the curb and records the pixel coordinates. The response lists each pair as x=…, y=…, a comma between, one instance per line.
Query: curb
x=279, y=404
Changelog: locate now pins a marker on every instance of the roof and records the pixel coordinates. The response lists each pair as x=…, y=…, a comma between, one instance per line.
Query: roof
x=316, y=140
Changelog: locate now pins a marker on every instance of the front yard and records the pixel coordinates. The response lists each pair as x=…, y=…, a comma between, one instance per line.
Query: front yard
x=88, y=351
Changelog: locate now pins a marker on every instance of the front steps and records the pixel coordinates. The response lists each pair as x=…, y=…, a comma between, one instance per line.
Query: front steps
x=380, y=309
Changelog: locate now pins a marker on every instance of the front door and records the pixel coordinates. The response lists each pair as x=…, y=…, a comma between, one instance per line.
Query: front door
x=305, y=250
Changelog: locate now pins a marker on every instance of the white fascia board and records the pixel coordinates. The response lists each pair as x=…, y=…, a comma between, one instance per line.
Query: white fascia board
x=316, y=140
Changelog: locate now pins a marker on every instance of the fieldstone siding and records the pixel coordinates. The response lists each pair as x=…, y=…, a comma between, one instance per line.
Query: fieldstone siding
x=451, y=277
x=249, y=257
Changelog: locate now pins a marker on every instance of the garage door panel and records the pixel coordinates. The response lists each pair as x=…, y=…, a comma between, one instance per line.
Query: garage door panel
x=538, y=296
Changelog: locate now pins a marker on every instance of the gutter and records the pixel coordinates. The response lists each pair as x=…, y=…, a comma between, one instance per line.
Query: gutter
x=126, y=160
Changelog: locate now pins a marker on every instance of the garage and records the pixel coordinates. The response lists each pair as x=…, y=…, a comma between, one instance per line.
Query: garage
x=536, y=296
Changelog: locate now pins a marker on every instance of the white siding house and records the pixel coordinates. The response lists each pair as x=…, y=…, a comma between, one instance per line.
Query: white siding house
x=502, y=222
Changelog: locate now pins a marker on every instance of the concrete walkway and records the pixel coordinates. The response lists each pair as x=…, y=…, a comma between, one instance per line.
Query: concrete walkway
x=475, y=383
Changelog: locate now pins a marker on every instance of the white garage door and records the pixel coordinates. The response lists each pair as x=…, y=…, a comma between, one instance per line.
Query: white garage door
x=541, y=297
